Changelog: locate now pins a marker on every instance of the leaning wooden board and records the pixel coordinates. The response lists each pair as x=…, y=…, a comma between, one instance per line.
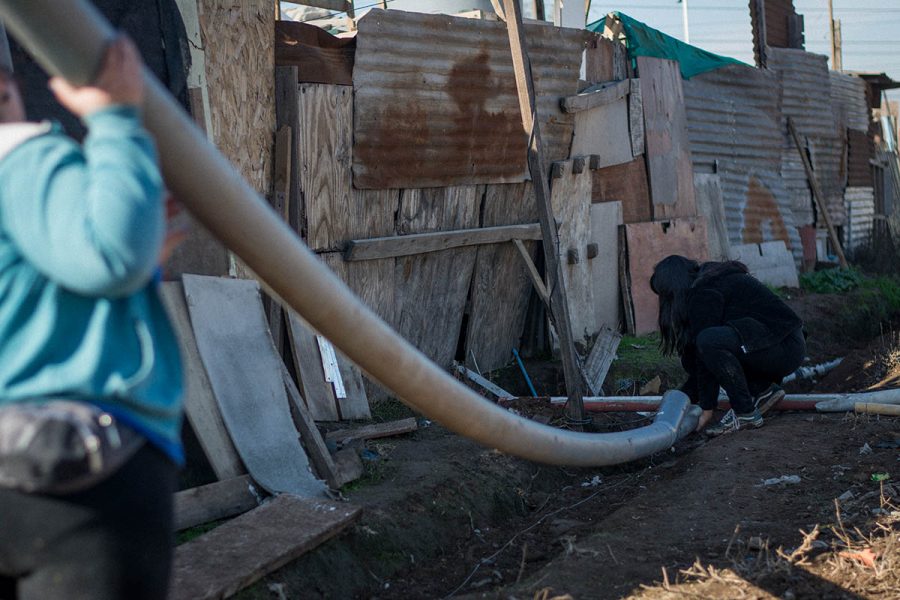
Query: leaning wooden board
x=605, y=220
x=666, y=138
x=625, y=183
x=199, y=402
x=245, y=372
x=646, y=245
x=234, y=555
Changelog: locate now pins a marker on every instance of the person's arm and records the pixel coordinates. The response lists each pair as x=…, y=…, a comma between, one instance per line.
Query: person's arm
x=91, y=220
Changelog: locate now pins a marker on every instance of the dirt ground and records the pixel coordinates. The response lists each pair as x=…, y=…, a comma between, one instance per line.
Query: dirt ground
x=806, y=507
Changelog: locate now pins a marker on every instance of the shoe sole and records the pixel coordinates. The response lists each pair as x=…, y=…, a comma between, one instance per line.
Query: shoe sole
x=770, y=402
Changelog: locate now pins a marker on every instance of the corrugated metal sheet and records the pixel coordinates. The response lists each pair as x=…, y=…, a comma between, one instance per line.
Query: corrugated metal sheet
x=860, y=203
x=860, y=152
x=848, y=98
x=806, y=97
x=436, y=101
x=734, y=117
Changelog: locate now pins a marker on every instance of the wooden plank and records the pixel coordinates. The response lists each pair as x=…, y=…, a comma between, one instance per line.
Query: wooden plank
x=626, y=183
x=350, y=465
x=318, y=393
x=636, y=117
x=625, y=281
x=312, y=440
x=600, y=94
x=284, y=144
x=407, y=245
x=374, y=431
x=559, y=308
x=822, y=209
x=199, y=402
x=486, y=384
x=571, y=198
x=234, y=555
x=287, y=106
x=498, y=297
x=666, y=138
x=603, y=134
x=245, y=372
x=606, y=217
x=600, y=60
x=602, y=354
x=649, y=243
x=711, y=206
x=219, y=500
x=431, y=289
x=539, y=286
x=355, y=405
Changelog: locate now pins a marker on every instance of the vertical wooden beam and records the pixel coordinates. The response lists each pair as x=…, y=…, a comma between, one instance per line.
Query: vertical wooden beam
x=559, y=309
x=817, y=193
x=761, y=38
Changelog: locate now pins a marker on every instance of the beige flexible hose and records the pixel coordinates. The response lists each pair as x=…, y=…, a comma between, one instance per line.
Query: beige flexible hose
x=67, y=38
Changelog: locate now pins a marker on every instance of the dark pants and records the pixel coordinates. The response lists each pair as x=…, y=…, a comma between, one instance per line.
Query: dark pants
x=112, y=541
x=721, y=362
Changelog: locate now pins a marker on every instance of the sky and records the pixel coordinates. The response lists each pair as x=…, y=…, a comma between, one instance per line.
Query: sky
x=870, y=28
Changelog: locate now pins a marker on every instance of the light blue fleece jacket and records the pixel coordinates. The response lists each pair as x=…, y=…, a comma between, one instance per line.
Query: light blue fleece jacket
x=81, y=229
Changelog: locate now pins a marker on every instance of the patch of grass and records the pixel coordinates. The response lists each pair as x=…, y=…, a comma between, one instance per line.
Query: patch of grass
x=831, y=281
x=638, y=360
x=390, y=409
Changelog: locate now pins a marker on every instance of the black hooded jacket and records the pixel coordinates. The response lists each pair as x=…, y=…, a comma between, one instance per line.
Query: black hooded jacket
x=732, y=297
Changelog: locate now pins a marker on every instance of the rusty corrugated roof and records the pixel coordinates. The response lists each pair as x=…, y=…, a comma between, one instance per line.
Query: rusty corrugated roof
x=436, y=101
x=734, y=118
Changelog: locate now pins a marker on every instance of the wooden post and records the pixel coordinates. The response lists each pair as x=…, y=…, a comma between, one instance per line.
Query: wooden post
x=761, y=35
x=817, y=193
x=559, y=309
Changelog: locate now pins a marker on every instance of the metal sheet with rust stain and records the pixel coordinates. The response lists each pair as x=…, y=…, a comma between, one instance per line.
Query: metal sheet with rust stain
x=436, y=101
x=649, y=243
x=734, y=121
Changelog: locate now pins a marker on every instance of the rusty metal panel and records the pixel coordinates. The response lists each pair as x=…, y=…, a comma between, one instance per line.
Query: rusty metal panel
x=860, y=203
x=734, y=122
x=860, y=153
x=436, y=101
x=806, y=97
x=848, y=98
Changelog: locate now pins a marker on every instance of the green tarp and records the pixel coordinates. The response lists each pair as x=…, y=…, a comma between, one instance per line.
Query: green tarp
x=643, y=40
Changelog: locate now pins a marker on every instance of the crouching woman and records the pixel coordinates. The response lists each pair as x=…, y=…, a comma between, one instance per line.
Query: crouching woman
x=730, y=331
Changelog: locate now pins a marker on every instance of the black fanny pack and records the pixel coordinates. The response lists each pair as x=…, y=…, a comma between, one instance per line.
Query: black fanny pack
x=61, y=446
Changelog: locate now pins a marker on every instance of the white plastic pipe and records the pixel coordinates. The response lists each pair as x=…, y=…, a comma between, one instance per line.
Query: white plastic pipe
x=67, y=38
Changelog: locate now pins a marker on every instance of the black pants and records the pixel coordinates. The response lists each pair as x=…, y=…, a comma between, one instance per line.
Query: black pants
x=112, y=541
x=721, y=362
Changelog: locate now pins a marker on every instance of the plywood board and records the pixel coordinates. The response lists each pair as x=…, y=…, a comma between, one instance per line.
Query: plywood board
x=649, y=243
x=605, y=220
x=570, y=195
x=770, y=262
x=245, y=372
x=711, y=206
x=199, y=401
x=431, y=289
x=500, y=286
x=234, y=555
x=626, y=183
x=603, y=132
x=600, y=358
x=666, y=138
x=334, y=211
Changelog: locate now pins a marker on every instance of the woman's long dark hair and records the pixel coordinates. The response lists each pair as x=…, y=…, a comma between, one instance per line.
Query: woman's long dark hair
x=672, y=279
